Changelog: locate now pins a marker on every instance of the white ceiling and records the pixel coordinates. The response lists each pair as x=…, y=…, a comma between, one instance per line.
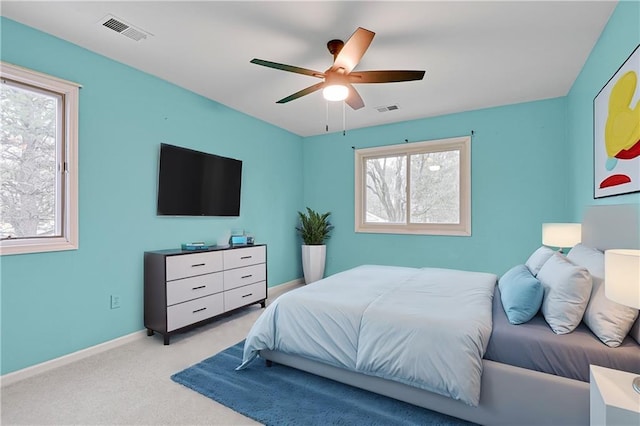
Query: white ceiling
x=476, y=54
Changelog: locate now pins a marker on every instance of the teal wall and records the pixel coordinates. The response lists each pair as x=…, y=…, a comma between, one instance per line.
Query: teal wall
x=57, y=303
x=531, y=163
x=617, y=41
x=519, y=180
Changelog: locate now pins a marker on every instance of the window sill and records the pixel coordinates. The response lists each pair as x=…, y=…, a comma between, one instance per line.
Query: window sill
x=36, y=245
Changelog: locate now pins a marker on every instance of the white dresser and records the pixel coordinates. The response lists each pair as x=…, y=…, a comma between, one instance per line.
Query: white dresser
x=185, y=288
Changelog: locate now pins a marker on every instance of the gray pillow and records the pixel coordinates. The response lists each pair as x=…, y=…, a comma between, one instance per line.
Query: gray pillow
x=567, y=288
x=538, y=258
x=635, y=330
x=608, y=320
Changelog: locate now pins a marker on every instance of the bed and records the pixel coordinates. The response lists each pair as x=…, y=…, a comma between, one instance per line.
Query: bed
x=501, y=387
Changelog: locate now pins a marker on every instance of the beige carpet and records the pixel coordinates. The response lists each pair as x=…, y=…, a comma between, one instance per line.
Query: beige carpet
x=131, y=385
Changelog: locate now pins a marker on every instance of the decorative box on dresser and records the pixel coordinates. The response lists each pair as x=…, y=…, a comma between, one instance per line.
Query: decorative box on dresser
x=185, y=288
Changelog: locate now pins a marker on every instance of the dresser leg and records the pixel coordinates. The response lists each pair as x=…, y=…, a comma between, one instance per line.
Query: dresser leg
x=166, y=339
x=149, y=332
x=263, y=303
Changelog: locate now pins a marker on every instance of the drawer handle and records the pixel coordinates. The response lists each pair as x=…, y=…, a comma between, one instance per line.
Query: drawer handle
x=199, y=310
x=247, y=295
x=198, y=288
x=246, y=257
x=246, y=276
x=197, y=264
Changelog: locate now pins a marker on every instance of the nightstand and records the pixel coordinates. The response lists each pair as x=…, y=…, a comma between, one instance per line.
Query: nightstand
x=612, y=399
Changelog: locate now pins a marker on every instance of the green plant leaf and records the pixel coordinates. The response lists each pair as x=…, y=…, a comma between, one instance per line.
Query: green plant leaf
x=314, y=228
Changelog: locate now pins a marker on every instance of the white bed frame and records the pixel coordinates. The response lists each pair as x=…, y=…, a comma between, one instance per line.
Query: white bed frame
x=509, y=395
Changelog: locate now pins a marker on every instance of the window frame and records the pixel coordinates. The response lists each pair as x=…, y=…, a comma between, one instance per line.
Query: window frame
x=67, y=166
x=463, y=228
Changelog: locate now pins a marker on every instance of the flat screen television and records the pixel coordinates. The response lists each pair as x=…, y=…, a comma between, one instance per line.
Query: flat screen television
x=194, y=183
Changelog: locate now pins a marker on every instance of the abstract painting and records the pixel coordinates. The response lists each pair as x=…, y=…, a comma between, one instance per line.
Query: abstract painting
x=616, y=139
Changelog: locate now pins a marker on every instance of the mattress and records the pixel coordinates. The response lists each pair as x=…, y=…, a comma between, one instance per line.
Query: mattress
x=535, y=346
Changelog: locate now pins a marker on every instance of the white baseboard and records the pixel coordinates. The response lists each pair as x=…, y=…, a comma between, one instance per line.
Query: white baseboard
x=25, y=373
x=277, y=290
x=43, y=367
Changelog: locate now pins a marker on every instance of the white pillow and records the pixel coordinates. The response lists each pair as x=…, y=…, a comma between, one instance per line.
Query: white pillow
x=538, y=258
x=608, y=320
x=590, y=258
x=567, y=288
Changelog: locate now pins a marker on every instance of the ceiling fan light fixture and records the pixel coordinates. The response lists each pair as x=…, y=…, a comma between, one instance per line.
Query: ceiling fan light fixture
x=335, y=92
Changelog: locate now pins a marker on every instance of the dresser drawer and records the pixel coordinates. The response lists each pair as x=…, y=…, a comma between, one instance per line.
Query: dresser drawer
x=244, y=295
x=191, y=288
x=242, y=276
x=237, y=258
x=193, y=311
x=189, y=265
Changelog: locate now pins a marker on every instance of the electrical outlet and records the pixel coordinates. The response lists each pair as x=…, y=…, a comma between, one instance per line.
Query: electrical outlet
x=115, y=301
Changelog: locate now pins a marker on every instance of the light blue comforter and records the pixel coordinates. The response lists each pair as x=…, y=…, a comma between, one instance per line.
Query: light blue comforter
x=427, y=328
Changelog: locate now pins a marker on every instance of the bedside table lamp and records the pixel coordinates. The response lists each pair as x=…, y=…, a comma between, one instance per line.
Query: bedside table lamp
x=561, y=235
x=622, y=282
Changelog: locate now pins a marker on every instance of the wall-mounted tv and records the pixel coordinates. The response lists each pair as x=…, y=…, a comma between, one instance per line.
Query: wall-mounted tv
x=194, y=183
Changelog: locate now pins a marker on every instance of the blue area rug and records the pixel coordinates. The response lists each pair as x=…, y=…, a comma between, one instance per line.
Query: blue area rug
x=281, y=395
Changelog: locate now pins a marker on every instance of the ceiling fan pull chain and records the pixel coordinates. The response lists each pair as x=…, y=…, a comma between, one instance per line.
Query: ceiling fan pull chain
x=344, y=119
x=326, y=126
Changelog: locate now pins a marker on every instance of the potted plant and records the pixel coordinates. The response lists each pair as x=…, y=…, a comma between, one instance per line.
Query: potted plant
x=314, y=229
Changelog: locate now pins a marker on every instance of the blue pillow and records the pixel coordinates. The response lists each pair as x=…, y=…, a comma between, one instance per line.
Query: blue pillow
x=521, y=294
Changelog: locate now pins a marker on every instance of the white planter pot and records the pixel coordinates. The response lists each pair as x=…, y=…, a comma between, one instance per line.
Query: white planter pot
x=313, y=259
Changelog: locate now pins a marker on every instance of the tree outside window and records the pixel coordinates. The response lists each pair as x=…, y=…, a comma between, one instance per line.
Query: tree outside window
x=28, y=162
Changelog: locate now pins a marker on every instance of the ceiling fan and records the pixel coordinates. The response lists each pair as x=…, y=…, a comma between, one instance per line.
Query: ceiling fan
x=338, y=80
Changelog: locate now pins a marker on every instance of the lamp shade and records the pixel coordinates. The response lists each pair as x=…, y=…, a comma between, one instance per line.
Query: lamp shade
x=561, y=234
x=622, y=276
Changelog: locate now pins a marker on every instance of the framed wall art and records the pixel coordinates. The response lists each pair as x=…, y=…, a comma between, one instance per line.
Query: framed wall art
x=616, y=137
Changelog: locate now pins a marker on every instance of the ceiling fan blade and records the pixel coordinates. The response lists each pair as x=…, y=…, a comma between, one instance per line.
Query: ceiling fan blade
x=353, y=50
x=289, y=68
x=354, y=100
x=302, y=93
x=385, y=76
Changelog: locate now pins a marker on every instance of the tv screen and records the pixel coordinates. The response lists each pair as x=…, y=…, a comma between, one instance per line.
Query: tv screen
x=194, y=183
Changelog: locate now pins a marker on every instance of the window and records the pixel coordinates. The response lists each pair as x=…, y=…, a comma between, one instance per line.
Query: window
x=414, y=188
x=38, y=162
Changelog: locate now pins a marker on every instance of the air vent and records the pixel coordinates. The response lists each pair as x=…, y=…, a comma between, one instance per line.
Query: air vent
x=121, y=27
x=387, y=108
